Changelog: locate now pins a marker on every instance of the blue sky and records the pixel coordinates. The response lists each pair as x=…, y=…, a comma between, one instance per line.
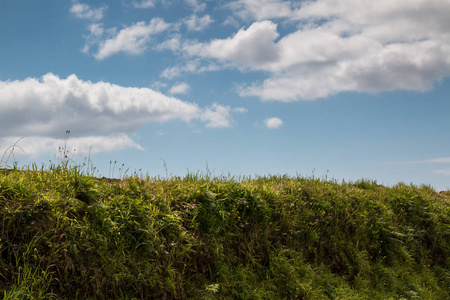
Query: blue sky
x=347, y=89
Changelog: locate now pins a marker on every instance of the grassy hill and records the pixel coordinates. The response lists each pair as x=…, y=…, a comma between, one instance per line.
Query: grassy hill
x=65, y=235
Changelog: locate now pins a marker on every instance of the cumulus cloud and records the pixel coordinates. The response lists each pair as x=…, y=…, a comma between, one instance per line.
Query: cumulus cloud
x=84, y=11
x=132, y=40
x=273, y=123
x=98, y=113
x=338, y=46
x=196, y=23
x=181, y=88
x=253, y=47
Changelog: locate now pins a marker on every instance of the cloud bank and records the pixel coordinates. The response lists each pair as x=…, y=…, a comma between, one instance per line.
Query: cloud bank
x=335, y=46
x=101, y=115
x=324, y=47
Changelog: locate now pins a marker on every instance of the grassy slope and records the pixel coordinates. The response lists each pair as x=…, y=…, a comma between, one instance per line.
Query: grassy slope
x=65, y=235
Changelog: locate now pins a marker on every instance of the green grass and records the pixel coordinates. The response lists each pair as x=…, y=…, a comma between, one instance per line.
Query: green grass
x=66, y=235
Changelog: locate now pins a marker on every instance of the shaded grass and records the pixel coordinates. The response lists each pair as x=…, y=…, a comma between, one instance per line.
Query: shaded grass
x=66, y=235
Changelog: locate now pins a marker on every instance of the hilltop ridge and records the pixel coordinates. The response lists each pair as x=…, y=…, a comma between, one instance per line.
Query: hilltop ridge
x=65, y=235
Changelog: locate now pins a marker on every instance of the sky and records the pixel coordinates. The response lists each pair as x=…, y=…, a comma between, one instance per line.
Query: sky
x=336, y=89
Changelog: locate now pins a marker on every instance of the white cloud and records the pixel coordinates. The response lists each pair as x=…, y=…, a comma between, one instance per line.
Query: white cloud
x=445, y=172
x=100, y=113
x=131, y=40
x=157, y=85
x=144, y=4
x=253, y=47
x=432, y=161
x=181, y=88
x=172, y=72
x=196, y=5
x=217, y=116
x=262, y=9
x=191, y=66
x=240, y=110
x=51, y=105
x=439, y=160
x=84, y=11
x=36, y=145
x=338, y=46
x=173, y=44
x=273, y=123
x=231, y=21
x=96, y=31
x=195, y=23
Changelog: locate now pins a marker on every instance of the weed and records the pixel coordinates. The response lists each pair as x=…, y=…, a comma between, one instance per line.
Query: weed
x=10, y=153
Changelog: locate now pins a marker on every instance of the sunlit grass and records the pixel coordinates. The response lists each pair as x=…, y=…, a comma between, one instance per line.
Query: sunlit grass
x=66, y=234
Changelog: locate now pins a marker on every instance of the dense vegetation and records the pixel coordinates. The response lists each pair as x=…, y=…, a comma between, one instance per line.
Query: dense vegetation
x=65, y=235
